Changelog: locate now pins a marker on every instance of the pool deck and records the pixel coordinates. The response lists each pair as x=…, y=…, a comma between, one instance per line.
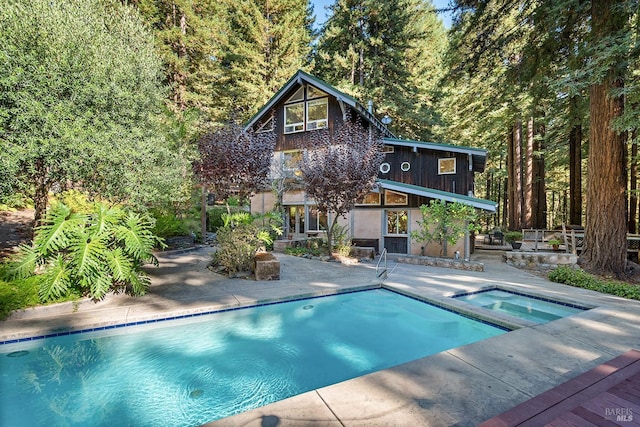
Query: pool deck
x=459, y=387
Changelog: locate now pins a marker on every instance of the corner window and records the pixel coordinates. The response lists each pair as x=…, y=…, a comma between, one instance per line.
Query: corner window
x=317, y=113
x=294, y=117
x=447, y=166
x=397, y=222
x=393, y=198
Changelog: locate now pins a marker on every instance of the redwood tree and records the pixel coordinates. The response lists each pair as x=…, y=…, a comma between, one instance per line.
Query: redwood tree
x=339, y=167
x=605, y=245
x=233, y=161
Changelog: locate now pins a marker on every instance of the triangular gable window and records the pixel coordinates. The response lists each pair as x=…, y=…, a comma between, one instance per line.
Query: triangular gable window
x=298, y=96
x=313, y=92
x=266, y=126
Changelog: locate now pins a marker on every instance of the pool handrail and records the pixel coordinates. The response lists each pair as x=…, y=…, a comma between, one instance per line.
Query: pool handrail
x=383, y=255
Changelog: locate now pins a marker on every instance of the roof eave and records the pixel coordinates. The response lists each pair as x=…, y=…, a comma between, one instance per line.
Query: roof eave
x=486, y=205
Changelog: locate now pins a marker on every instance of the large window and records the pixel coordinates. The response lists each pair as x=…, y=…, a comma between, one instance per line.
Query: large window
x=294, y=117
x=397, y=222
x=393, y=198
x=317, y=220
x=370, y=198
x=306, y=113
x=317, y=113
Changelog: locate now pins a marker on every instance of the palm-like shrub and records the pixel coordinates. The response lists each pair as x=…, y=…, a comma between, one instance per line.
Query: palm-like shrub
x=94, y=254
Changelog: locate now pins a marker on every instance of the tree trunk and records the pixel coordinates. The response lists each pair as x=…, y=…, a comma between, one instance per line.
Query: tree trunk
x=539, y=190
x=527, y=191
x=203, y=214
x=633, y=186
x=575, y=175
x=605, y=248
x=514, y=167
x=41, y=192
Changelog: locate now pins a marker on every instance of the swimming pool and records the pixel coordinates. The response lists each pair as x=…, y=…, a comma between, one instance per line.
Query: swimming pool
x=190, y=371
x=524, y=306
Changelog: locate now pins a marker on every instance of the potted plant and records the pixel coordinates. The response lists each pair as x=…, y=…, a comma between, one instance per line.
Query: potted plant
x=513, y=237
x=555, y=243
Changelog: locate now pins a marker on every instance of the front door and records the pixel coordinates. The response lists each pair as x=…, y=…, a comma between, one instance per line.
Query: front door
x=396, y=238
x=295, y=220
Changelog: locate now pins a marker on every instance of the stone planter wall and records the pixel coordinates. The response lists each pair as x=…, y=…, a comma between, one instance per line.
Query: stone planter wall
x=441, y=262
x=539, y=259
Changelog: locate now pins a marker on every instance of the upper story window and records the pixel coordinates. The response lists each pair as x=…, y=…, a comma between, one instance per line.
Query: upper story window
x=294, y=117
x=393, y=198
x=388, y=149
x=447, y=166
x=371, y=198
x=317, y=113
x=266, y=126
x=306, y=109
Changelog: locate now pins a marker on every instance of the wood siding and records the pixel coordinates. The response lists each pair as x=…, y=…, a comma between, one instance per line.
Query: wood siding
x=424, y=170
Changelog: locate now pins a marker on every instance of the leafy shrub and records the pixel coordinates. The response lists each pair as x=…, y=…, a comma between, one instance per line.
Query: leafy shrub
x=240, y=238
x=581, y=279
x=14, y=201
x=238, y=246
x=214, y=218
x=23, y=293
x=168, y=225
x=75, y=200
x=89, y=254
x=341, y=240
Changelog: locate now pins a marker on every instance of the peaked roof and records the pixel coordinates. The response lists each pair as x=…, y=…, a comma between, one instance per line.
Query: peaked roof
x=478, y=155
x=301, y=77
x=486, y=205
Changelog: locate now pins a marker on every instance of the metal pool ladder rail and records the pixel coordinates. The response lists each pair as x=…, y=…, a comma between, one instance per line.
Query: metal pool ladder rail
x=381, y=271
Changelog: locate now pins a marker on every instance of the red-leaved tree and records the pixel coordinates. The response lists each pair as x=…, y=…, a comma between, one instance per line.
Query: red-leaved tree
x=233, y=161
x=340, y=167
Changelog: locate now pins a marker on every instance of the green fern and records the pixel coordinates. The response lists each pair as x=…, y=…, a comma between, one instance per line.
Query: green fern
x=23, y=264
x=119, y=264
x=57, y=228
x=87, y=251
x=105, y=218
x=94, y=254
x=56, y=279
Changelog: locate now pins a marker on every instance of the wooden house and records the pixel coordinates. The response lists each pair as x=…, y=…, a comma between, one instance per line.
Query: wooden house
x=412, y=173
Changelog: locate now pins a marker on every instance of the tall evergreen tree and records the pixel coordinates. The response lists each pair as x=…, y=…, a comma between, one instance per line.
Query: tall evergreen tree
x=269, y=40
x=387, y=52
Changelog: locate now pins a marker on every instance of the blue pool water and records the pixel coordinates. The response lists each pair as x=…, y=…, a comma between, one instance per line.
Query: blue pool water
x=190, y=371
x=522, y=306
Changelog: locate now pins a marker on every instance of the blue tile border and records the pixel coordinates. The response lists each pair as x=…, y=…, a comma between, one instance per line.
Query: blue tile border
x=522, y=294
x=222, y=310
x=177, y=317
x=450, y=310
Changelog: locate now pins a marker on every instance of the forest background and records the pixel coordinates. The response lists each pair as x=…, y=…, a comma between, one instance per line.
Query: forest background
x=549, y=88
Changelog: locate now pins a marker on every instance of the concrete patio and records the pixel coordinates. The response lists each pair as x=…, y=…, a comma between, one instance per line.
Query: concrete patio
x=462, y=386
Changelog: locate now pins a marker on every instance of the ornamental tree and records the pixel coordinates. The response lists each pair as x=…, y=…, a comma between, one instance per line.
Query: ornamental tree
x=340, y=167
x=233, y=161
x=444, y=223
